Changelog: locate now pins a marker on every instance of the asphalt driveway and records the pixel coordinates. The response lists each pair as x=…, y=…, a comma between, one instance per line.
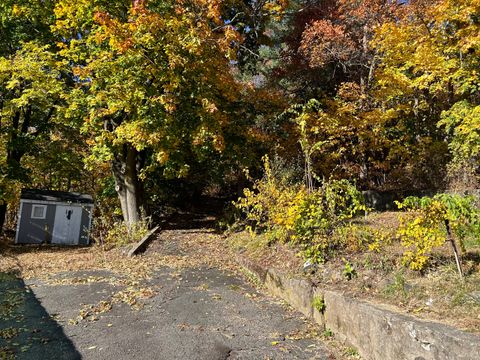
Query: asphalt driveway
x=200, y=311
x=196, y=314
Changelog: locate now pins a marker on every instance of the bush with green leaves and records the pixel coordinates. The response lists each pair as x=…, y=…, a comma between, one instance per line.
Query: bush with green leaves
x=290, y=213
x=423, y=227
x=111, y=234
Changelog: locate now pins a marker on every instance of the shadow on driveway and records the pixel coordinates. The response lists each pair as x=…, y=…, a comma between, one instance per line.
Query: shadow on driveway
x=27, y=331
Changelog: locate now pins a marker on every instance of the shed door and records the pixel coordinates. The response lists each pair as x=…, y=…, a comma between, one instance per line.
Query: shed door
x=66, y=229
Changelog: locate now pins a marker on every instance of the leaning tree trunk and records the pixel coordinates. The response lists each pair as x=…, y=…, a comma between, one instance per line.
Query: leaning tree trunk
x=127, y=184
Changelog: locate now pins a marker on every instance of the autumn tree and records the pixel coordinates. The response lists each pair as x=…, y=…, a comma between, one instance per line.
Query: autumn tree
x=155, y=84
x=40, y=144
x=329, y=59
x=339, y=39
x=31, y=89
x=429, y=73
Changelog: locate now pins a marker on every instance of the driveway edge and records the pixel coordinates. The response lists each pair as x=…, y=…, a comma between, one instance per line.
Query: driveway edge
x=376, y=332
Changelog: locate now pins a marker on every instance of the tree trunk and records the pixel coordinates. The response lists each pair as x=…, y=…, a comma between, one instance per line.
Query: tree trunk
x=127, y=184
x=3, y=213
x=14, y=155
x=118, y=175
x=132, y=186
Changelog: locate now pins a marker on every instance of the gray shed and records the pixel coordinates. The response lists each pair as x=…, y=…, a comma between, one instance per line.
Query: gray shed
x=54, y=217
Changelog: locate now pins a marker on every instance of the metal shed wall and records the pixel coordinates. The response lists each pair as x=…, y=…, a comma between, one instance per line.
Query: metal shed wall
x=37, y=231
x=34, y=231
x=85, y=224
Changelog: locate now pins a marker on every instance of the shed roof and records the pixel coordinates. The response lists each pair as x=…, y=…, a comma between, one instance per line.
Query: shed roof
x=56, y=196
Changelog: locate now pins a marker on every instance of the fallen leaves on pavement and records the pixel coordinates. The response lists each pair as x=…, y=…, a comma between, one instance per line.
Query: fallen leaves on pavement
x=59, y=266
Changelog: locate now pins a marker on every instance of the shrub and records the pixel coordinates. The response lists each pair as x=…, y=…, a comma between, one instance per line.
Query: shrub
x=290, y=213
x=358, y=237
x=318, y=303
x=121, y=235
x=117, y=234
x=423, y=227
x=349, y=271
x=272, y=205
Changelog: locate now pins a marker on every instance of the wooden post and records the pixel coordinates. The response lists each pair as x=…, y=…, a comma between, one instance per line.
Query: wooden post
x=454, y=247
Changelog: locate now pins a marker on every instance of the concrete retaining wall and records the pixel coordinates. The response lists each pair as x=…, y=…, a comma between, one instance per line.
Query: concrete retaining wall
x=377, y=333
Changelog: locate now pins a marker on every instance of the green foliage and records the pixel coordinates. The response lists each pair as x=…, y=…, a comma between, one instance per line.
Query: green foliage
x=319, y=304
x=118, y=234
x=422, y=228
x=291, y=213
x=462, y=121
x=349, y=271
x=22, y=21
x=318, y=250
x=328, y=333
x=351, y=351
x=397, y=287
x=31, y=93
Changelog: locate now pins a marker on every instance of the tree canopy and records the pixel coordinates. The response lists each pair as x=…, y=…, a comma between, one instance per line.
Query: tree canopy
x=144, y=94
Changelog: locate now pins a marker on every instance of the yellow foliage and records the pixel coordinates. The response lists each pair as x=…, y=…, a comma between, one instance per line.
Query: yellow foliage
x=420, y=232
x=120, y=234
x=430, y=59
x=287, y=212
x=273, y=205
x=357, y=237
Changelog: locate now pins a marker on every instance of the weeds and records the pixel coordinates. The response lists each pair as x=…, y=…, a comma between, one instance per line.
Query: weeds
x=351, y=351
x=397, y=287
x=318, y=303
x=349, y=271
x=328, y=333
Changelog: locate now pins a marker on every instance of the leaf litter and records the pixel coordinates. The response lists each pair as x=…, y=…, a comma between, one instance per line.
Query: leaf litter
x=130, y=274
